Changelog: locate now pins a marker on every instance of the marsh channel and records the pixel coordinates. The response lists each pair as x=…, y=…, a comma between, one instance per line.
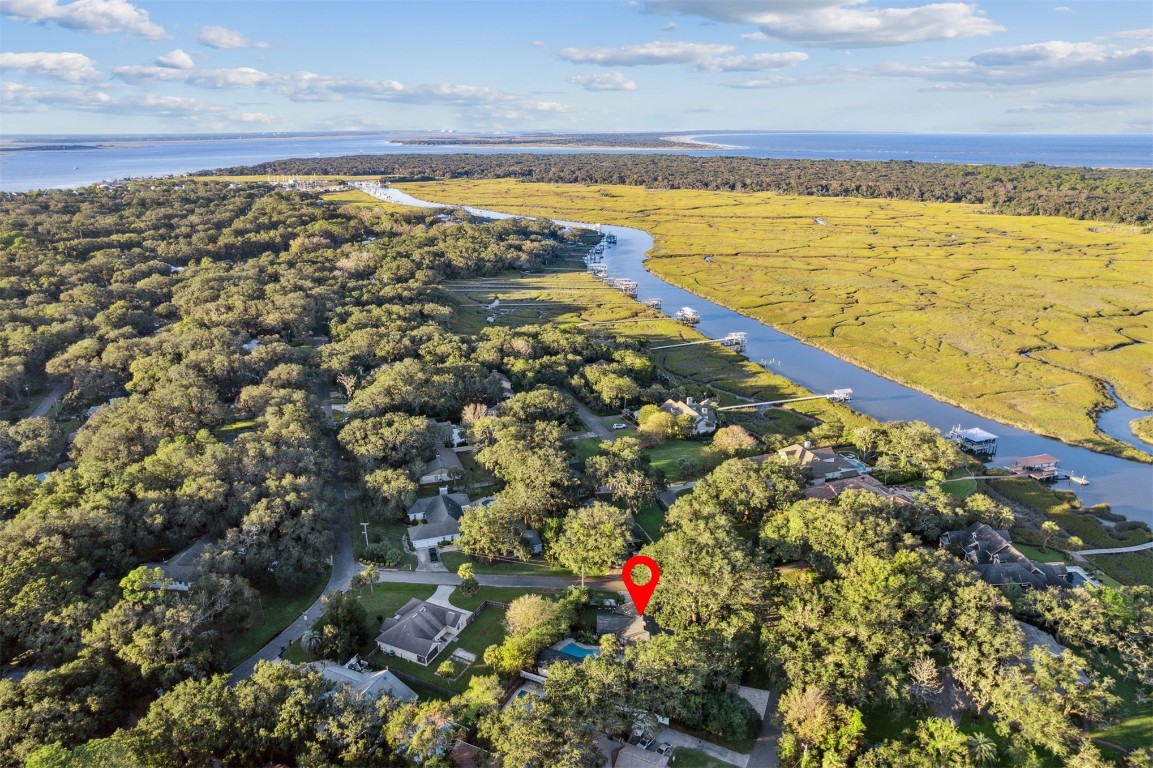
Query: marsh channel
x=1126, y=486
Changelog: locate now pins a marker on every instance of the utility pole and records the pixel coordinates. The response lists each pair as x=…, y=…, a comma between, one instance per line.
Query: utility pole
x=364, y=526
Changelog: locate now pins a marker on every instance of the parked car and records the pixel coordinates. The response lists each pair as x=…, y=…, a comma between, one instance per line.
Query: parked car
x=433, y=555
x=645, y=741
x=620, y=425
x=664, y=748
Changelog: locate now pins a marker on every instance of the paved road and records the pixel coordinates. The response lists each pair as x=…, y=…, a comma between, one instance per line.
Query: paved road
x=344, y=568
x=610, y=584
x=678, y=739
x=49, y=401
x=764, y=754
x=594, y=423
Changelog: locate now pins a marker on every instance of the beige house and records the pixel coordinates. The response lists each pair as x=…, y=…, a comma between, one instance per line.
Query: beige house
x=702, y=413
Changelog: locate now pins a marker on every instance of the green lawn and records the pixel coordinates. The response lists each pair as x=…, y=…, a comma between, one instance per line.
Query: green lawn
x=386, y=599
x=279, y=611
x=665, y=457
x=691, y=758
x=959, y=485
x=535, y=567
x=586, y=447
x=496, y=594
x=651, y=518
x=1039, y=555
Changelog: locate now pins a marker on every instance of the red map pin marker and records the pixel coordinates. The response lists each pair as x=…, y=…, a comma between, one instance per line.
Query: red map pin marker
x=640, y=593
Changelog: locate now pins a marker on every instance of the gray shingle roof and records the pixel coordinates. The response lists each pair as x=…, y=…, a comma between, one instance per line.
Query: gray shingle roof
x=442, y=516
x=416, y=626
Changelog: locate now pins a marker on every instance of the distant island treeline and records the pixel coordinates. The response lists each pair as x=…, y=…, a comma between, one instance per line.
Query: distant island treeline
x=586, y=140
x=48, y=147
x=1116, y=195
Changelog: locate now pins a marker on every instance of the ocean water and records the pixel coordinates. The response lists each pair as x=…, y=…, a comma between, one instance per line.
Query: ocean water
x=157, y=156
x=1118, y=150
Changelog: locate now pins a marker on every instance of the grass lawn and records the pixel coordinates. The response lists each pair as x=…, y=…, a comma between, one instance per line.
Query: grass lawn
x=691, y=758
x=666, y=455
x=279, y=612
x=651, y=518
x=1040, y=555
x=535, y=567
x=959, y=485
x=586, y=447
x=386, y=599
x=496, y=594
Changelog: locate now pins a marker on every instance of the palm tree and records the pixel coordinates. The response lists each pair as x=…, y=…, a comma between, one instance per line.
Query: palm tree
x=310, y=642
x=983, y=749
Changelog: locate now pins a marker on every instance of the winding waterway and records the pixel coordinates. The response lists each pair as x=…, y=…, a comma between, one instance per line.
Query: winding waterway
x=1126, y=486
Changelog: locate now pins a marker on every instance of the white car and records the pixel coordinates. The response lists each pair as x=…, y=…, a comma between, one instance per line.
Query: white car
x=620, y=425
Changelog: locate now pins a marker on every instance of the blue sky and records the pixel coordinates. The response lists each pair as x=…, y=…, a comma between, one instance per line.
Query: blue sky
x=114, y=66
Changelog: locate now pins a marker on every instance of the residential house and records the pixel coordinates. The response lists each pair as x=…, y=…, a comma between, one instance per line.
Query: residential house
x=823, y=464
x=505, y=385
x=702, y=413
x=181, y=569
x=627, y=625
x=999, y=562
x=440, y=515
x=420, y=630
x=444, y=467
x=365, y=680
x=833, y=488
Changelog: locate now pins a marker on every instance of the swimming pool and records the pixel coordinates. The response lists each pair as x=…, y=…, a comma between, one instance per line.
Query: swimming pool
x=575, y=649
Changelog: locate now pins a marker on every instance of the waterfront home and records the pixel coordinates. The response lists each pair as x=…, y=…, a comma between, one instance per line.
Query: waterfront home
x=702, y=413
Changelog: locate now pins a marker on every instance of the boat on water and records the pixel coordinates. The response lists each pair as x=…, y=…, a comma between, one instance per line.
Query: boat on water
x=1082, y=480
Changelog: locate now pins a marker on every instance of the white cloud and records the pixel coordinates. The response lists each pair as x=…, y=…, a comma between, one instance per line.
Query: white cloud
x=308, y=87
x=222, y=37
x=838, y=23
x=99, y=16
x=237, y=77
x=1050, y=62
x=758, y=36
x=612, y=81
x=1135, y=34
x=71, y=67
x=704, y=57
x=176, y=59
x=753, y=63
x=19, y=98
x=1062, y=9
x=661, y=52
x=670, y=27
x=778, y=81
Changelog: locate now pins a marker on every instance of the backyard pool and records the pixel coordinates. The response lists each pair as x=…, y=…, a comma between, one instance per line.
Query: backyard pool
x=575, y=649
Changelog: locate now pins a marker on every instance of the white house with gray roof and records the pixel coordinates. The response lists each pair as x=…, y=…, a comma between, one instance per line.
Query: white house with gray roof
x=420, y=630
x=439, y=518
